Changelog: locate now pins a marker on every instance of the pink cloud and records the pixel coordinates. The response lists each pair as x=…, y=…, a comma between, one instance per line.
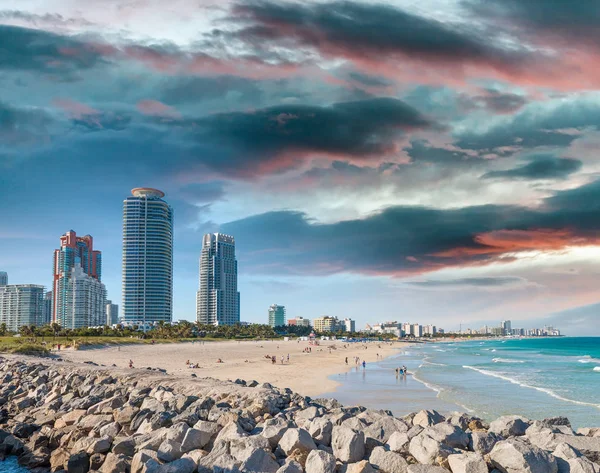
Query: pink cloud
x=157, y=109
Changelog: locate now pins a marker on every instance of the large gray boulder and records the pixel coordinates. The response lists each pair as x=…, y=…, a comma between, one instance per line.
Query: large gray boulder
x=467, y=463
x=387, y=462
x=516, y=456
x=291, y=466
x=426, y=449
x=348, y=445
x=115, y=464
x=546, y=439
x=294, y=439
x=483, y=442
x=320, y=429
x=169, y=451
x=259, y=461
x=362, y=466
x=448, y=434
x=570, y=460
x=510, y=426
x=426, y=469
x=427, y=418
x=382, y=429
x=195, y=439
x=319, y=461
x=398, y=442
x=274, y=429
x=140, y=459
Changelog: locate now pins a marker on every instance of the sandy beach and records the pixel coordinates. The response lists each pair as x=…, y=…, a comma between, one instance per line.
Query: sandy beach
x=305, y=373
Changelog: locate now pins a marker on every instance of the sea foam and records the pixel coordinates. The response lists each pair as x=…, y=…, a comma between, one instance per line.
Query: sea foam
x=506, y=360
x=529, y=386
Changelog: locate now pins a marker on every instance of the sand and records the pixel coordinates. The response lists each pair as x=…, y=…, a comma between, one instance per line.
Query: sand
x=306, y=373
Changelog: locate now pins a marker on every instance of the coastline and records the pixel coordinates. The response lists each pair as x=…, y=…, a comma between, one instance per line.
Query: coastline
x=60, y=416
x=306, y=373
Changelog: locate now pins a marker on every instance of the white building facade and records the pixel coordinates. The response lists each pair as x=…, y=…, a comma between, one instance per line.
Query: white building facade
x=21, y=304
x=85, y=304
x=218, y=299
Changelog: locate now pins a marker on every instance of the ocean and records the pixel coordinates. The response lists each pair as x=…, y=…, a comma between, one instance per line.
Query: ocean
x=536, y=378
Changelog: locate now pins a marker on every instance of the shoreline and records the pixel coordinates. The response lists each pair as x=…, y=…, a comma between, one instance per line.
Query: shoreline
x=306, y=373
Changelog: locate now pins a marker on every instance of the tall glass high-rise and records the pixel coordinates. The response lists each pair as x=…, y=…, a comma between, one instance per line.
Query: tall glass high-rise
x=218, y=300
x=147, y=258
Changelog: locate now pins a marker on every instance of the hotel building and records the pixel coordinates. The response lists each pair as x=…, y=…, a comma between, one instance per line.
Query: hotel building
x=74, y=251
x=21, y=304
x=147, y=257
x=276, y=315
x=218, y=299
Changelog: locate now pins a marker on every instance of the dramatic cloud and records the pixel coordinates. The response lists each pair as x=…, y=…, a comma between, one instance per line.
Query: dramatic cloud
x=351, y=29
x=399, y=241
x=472, y=282
x=539, y=167
x=279, y=137
x=41, y=51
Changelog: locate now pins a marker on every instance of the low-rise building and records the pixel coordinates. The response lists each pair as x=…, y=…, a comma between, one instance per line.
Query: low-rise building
x=299, y=321
x=21, y=304
x=326, y=324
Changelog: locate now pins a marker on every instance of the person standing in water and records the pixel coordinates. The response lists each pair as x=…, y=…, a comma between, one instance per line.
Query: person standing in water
x=364, y=364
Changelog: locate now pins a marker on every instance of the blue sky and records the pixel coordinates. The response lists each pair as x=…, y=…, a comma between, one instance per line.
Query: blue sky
x=432, y=162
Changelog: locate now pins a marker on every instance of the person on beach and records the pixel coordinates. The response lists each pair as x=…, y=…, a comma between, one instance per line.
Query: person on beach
x=131, y=363
x=282, y=359
x=346, y=360
x=288, y=358
x=364, y=364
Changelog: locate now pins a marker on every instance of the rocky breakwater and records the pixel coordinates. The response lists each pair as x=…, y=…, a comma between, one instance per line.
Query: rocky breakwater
x=63, y=418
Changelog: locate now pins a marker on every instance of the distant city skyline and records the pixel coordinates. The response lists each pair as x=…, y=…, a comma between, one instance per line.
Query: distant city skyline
x=444, y=169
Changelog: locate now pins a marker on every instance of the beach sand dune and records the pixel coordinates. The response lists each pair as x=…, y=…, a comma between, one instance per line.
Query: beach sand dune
x=305, y=373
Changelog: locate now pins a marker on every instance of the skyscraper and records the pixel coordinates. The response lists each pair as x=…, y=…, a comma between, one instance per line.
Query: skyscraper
x=73, y=251
x=276, y=315
x=3, y=278
x=85, y=303
x=147, y=257
x=112, y=313
x=47, y=310
x=218, y=300
x=21, y=304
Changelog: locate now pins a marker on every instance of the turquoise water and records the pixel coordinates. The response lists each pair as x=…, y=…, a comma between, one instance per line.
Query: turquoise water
x=10, y=465
x=536, y=378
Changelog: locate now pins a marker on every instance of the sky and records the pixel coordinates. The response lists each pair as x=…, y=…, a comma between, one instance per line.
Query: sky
x=432, y=161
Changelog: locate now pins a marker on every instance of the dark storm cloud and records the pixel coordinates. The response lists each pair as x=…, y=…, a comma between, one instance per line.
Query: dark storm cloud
x=580, y=19
x=361, y=30
x=41, y=51
x=273, y=135
x=556, y=123
x=539, y=167
x=412, y=240
x=474, y=282
x=421, y=151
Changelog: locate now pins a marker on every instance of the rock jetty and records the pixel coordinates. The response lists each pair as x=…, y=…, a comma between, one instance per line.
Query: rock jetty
x=60, y=417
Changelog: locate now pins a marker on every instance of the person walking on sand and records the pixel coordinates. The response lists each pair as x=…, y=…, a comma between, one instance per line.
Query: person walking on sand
x=282, y=359
x=131, y=363
x=346, y=360
x=288, y=358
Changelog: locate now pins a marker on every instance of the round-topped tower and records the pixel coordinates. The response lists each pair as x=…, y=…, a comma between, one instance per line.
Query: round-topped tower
x=147, y=192
x=147, y=258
